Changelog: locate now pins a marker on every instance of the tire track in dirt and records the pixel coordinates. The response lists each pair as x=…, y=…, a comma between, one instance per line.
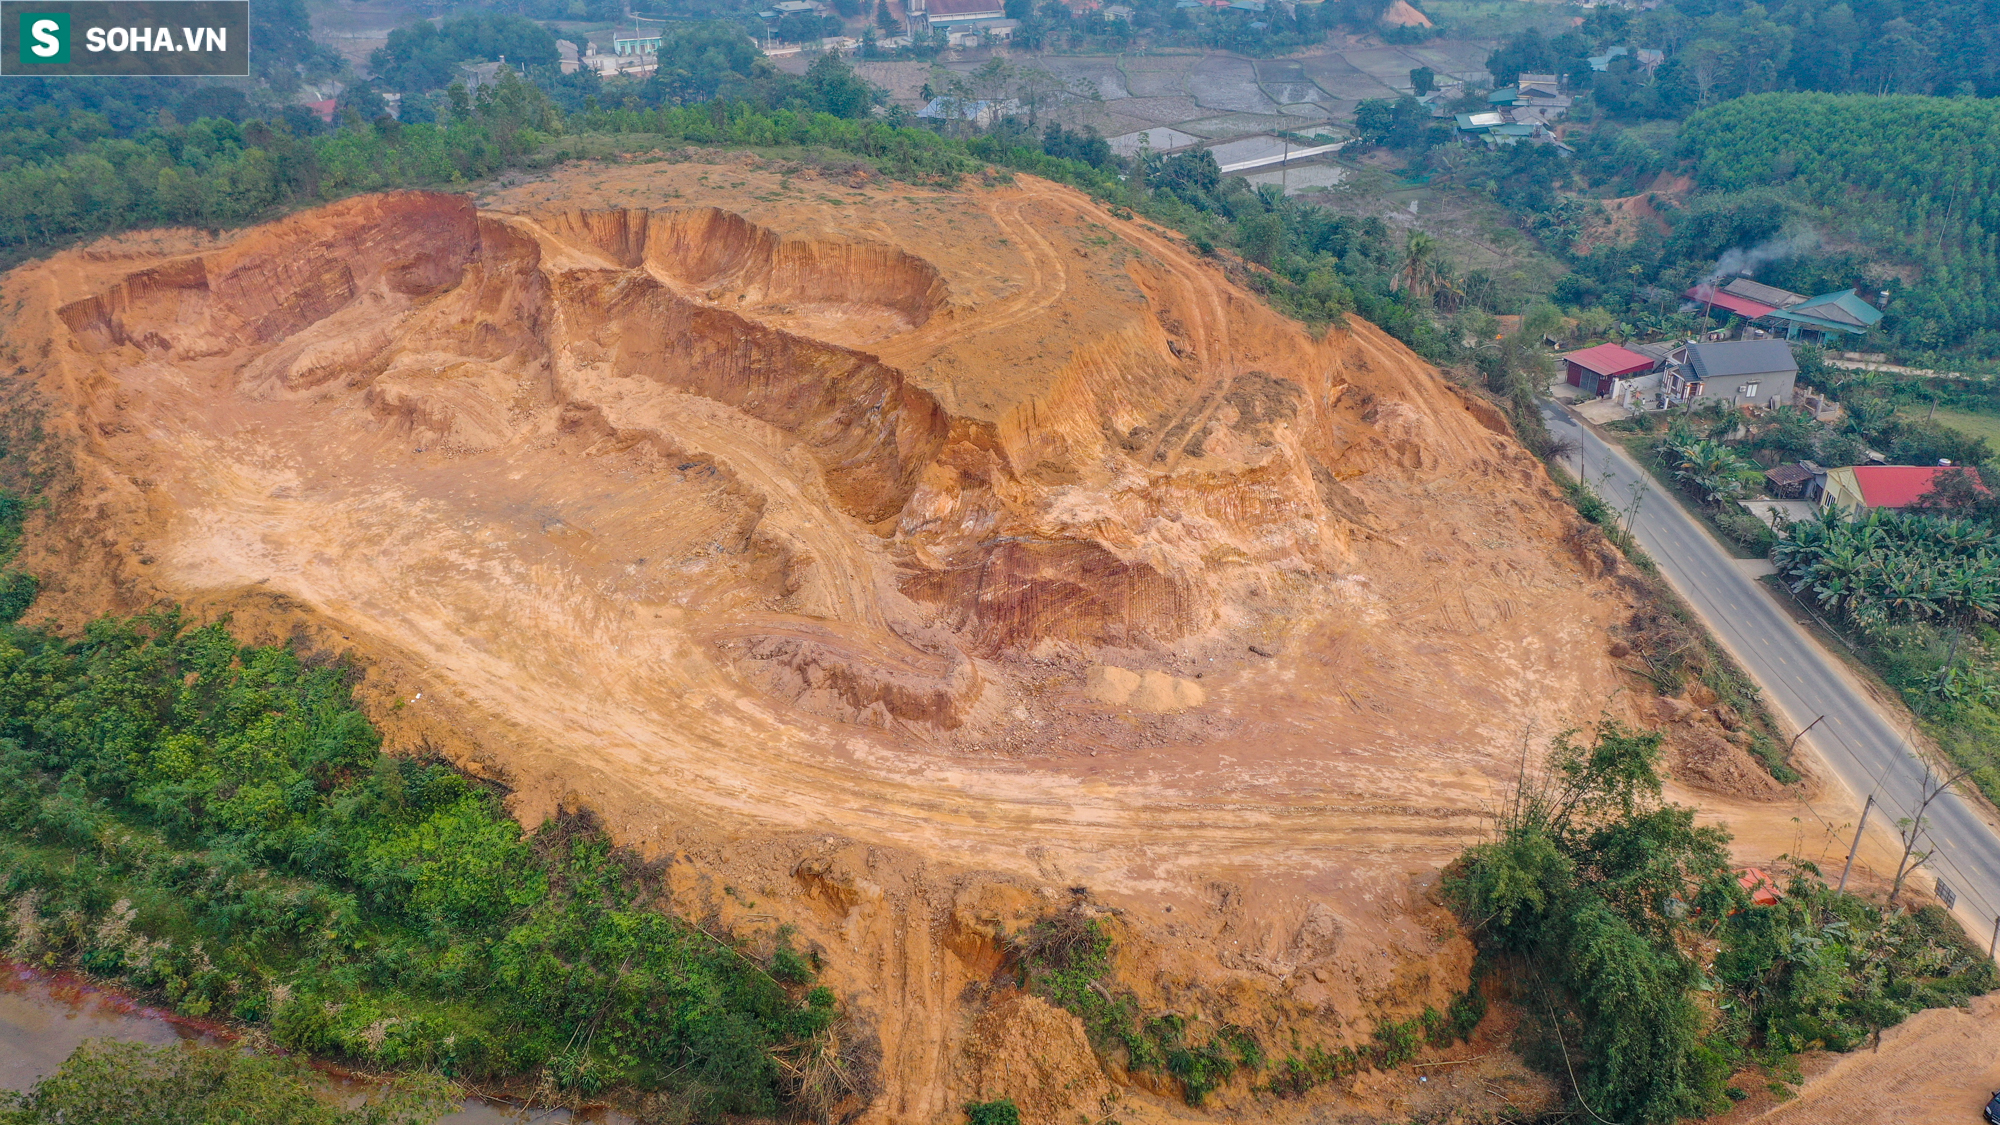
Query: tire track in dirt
x=1046, y=282
x=1206, y=306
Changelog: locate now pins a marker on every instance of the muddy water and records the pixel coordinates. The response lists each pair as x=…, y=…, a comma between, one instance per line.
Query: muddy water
x=43, y=1019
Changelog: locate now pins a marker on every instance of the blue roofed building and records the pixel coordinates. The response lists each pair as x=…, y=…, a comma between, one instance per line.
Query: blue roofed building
x=1828, y=315
x=1603, y=62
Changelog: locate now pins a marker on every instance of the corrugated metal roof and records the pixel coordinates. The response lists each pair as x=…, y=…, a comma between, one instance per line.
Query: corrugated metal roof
x=1845, y=307
x=1610, y=359
x=1898, y=486
x=1763, y=294
x=964, y=8
x=1741, y=306
x=1731, y=358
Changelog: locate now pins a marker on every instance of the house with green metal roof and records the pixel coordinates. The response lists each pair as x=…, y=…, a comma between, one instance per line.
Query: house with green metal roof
x=1829, y=314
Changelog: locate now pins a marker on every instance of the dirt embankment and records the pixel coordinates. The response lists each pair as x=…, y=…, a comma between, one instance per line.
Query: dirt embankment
x=1941, y=1065
x=903, y=564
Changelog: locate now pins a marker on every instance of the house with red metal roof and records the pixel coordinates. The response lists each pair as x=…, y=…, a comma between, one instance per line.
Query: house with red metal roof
x=1739, y=296
x=1860, y=489
x=1596, y=371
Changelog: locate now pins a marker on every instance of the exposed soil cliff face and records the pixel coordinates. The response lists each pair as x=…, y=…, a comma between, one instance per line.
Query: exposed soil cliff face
x=899, y=560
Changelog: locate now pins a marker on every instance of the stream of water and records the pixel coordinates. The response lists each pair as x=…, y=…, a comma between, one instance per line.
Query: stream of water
x=43, y=1019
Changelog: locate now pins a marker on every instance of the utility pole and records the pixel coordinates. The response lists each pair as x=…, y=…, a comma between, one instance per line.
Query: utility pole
x=1802, y=734
x=1856, y=845
x=1993, y=945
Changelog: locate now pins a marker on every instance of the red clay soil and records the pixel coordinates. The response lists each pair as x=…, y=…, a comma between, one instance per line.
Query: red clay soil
x=892, y=560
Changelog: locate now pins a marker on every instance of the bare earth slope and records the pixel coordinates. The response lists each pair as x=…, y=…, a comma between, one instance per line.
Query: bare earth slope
x=899, y=563
x=1941, y=1065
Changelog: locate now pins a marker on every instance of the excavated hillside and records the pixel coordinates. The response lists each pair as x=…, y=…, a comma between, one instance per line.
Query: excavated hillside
x=899, y=564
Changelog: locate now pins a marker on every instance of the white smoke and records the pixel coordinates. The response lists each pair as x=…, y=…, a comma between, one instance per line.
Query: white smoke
x=1740, y=262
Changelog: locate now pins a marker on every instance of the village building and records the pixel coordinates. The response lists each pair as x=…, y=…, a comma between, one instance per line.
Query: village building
x=635, y=43
x=1527, y=110
x=1601, y=63
x=1788, y=482
x=1537, y=86
x=1859, y=489
x=954, y=15
x=1607, y=370
x=1741, y=297
x=1795, y=316
x=1828, y=316
x=980, y=113
x=1737, y=372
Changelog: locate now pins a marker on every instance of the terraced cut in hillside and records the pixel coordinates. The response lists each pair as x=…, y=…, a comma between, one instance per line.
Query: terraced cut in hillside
x=900, y=564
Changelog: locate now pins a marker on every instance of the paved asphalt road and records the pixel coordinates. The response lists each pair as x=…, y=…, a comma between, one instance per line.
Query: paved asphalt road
x=1868, y=751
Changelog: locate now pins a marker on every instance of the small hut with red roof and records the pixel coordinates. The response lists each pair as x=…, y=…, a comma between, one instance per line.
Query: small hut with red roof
x=1596, y=371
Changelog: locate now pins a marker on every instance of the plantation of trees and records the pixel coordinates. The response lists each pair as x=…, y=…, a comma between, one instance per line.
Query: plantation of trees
x=1916, y=177
x=1889, y=568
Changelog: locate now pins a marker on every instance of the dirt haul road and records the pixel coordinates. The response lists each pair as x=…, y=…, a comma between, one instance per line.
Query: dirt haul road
x=898, y=563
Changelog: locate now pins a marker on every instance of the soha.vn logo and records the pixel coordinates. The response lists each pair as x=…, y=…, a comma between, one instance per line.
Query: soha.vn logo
x=44, y=37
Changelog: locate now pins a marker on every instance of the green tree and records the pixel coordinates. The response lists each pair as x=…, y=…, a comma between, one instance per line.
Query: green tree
x=1423, y=270
x=1582, y=882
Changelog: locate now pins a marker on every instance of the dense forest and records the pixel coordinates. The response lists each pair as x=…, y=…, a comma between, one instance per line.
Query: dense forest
x=1809, y=192
x=425, y=55
x=1722, y=49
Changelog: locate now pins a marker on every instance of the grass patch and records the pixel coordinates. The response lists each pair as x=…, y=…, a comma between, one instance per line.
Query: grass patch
x=113, y=1083
x=1979, y=424
x=1000, y=1112
x=1495, y=19
x=1393, y=1043
x=1066, y=959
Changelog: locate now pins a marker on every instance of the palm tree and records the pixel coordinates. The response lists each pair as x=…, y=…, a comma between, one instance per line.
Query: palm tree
x=1423, y=269
x=1710, y=467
